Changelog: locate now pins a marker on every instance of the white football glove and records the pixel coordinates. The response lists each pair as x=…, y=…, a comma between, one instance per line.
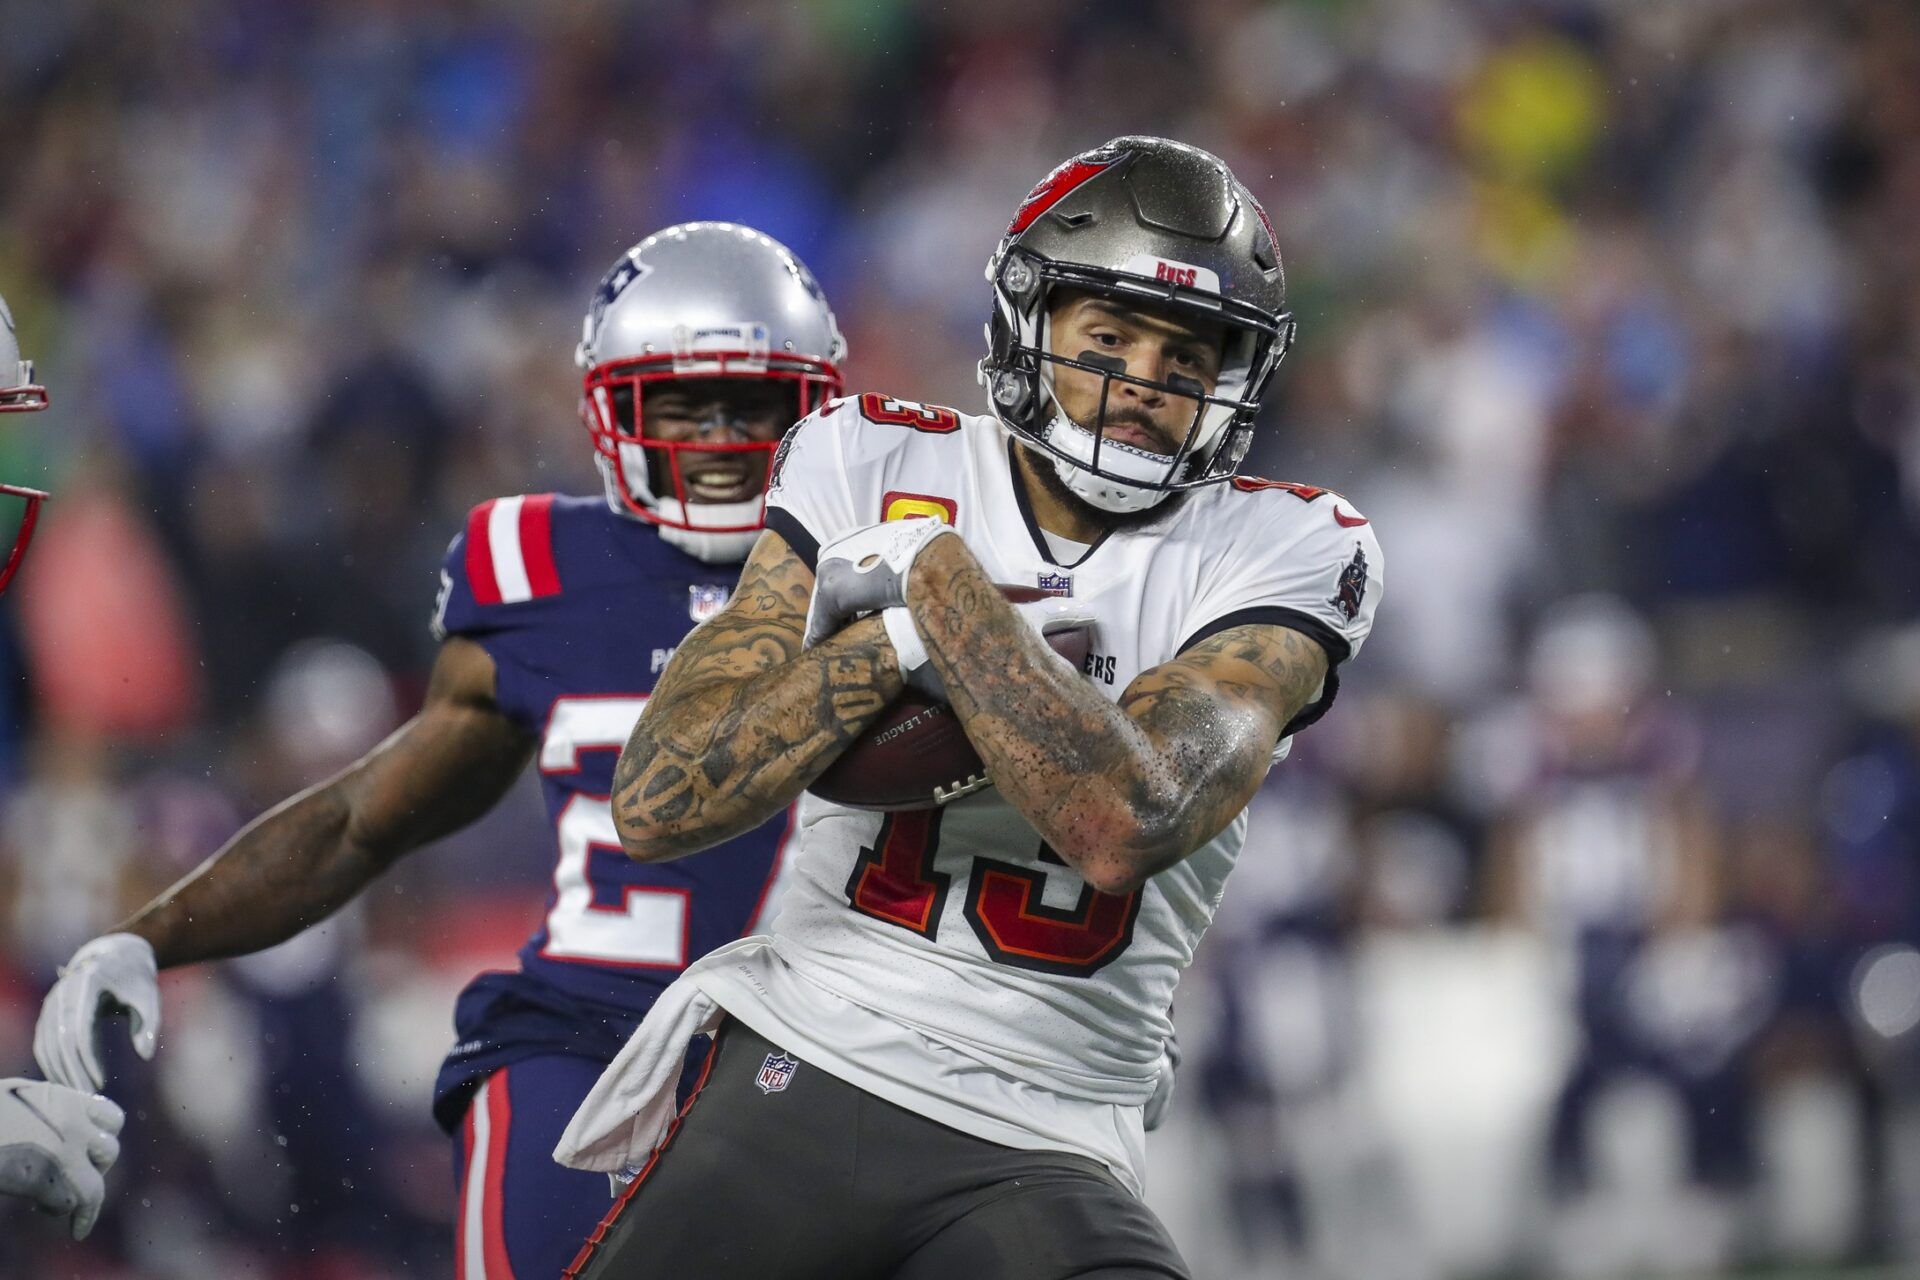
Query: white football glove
x=56, y=1144
x=865, y=572
x=111, y=975
x=1045, y=615
x=1163, y=1087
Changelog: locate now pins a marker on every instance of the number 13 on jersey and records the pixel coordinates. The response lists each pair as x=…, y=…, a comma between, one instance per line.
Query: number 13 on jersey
x=895, y=881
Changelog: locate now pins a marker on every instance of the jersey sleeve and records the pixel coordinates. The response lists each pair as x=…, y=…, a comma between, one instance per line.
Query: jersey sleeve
x=809, y=494
x=1318, y=570
x=501, y=558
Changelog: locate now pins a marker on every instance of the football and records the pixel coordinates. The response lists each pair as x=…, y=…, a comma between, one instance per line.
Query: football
x=916, y=755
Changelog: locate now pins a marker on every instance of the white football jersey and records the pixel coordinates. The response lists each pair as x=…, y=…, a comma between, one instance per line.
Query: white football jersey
x=957, y=924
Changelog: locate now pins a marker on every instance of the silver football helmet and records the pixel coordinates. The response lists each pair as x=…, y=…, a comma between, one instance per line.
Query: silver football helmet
x=19, y=393
x=699, y=300
x=1146, y=221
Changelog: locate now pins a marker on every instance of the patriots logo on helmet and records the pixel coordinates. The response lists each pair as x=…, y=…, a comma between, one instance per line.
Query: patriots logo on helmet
x=1353, y=585
x=624, y=273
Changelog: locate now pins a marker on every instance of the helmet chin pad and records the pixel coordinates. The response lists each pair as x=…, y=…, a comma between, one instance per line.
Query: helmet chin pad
x=1107, y=473
x=725, y=533
x=702, y=544
x=1109, y=492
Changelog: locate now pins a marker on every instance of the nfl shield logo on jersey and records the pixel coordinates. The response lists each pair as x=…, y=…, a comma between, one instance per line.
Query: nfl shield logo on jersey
x=776, y=1073
x=704, y=600
x=1057, y=584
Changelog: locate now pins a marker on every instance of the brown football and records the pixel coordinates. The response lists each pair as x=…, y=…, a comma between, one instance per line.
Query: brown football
x=916, y=755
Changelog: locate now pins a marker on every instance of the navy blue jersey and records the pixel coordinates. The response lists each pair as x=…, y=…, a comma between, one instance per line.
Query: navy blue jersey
x=580, y=609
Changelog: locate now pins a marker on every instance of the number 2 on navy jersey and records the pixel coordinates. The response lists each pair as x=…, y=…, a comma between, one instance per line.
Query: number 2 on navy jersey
x=895, y=881
x=648, y=928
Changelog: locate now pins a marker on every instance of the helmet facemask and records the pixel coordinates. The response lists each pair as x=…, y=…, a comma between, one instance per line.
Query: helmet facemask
x=1108, y=473
x=19, y=393
x=23, y=533
x=659, y=479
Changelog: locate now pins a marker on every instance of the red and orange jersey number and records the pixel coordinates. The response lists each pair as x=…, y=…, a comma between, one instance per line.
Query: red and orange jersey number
x=895, y=882
x=931, y=418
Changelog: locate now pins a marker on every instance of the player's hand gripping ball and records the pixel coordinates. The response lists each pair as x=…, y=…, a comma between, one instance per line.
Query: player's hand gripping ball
x=865, y=572
x=916, y=755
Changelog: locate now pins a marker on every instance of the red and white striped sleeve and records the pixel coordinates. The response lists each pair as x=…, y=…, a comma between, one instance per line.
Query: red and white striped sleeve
x=504, y=556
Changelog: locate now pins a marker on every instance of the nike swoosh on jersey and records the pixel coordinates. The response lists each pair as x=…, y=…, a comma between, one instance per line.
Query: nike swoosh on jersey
x=1346, y=521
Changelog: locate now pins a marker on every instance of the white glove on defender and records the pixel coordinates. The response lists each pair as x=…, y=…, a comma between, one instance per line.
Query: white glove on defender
x=865, y=572
x=55, y=1145
x=110, y=975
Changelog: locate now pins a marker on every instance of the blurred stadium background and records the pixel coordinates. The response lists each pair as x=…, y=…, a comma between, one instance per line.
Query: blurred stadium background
x=1579, y=941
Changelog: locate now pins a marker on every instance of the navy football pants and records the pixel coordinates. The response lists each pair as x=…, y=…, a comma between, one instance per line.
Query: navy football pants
x=520, y=1215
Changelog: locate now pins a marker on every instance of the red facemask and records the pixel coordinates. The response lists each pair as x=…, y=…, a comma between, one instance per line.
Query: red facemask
x=27, y=398
x=612, y=406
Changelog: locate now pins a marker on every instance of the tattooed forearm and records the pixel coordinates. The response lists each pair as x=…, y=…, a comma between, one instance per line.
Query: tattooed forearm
x=1119, y=791
x=721, y=759
x=742, y=720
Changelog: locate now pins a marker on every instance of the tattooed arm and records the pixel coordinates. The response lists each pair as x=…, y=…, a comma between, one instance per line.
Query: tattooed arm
x=1123, y=791
x=742, y=720
x=301, y=861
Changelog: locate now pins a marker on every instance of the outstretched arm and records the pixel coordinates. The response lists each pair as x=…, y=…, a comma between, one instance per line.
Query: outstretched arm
x=742, y=720
x=1120, y=791
x=296, y=864
x=302, y=860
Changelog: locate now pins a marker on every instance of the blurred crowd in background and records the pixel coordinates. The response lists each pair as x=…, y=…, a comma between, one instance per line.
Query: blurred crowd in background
x=1579, y=940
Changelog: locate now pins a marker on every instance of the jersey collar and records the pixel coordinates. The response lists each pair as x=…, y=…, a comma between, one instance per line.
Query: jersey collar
x=1034, y=531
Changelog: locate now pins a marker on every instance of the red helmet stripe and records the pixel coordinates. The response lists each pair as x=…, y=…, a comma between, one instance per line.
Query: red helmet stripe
x=1267, y=222
x=536, y=545
x=1052, y=190
x=480, y=576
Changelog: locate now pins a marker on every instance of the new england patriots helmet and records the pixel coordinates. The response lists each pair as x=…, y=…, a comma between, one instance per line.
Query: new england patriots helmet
x=699, y=300
x=19, y=393
x=1140, y=220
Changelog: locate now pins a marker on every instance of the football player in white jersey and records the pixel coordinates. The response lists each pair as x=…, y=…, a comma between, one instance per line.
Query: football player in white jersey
x=56, y=1143
x=936, y=1064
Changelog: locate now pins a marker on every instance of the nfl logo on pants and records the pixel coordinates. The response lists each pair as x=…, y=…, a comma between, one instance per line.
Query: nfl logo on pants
x=776, y=1073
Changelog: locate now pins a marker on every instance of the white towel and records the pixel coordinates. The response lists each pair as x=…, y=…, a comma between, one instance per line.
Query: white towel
x=627, y=1113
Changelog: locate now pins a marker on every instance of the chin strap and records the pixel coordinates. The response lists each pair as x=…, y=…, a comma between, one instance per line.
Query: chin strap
x=1104, y=492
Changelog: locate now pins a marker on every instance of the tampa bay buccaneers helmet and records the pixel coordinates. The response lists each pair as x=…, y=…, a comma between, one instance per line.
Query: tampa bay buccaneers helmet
x=1149, y=221
x=700, y=300
x=19, y=393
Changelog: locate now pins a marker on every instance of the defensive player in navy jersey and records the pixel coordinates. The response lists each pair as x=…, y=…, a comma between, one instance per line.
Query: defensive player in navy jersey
x=702, y=345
